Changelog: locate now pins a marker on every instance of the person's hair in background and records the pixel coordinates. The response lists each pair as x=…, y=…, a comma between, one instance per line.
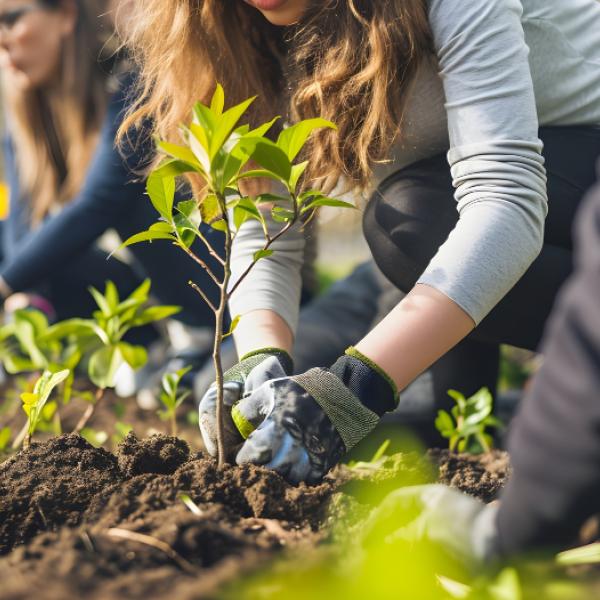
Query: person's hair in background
x=345, y=59
x=57, y=57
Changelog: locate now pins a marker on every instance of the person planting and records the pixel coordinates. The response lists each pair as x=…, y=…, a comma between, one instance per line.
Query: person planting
x=469, y=120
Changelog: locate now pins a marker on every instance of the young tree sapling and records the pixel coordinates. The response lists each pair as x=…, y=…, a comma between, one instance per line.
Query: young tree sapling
x=218, y=150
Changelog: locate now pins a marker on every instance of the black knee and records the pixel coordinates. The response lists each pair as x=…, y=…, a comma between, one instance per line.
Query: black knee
x=408, y=218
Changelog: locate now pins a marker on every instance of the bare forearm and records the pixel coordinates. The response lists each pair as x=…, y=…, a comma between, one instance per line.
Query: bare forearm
x=262, y=329
x=418, y=331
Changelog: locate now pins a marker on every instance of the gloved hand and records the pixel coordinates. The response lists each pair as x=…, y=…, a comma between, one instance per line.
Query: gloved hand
x=305, y=423
x=252, y=371
x=463, y=526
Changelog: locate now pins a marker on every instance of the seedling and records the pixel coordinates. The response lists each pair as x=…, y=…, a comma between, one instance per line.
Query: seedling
x=100, y=339
x=217, y=149
x=34, y=402
x=375, y=463
x=465, y=426
x=171, y=398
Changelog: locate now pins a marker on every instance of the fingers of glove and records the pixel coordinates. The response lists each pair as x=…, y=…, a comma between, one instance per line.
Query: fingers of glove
x=268, y=369
x=276, y=449
x=207, y=412
x=253, y=408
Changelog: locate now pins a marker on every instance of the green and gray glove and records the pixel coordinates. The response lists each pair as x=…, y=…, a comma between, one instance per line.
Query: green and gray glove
x=254, y=369
x=302, y=425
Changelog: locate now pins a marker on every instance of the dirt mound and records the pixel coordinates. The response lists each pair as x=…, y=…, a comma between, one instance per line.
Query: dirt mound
x=50, y=485
x=135, y=537
x=482, y=476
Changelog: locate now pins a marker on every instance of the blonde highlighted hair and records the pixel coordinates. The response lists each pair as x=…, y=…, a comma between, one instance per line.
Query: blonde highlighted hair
x=350, y=61
x=55, y=131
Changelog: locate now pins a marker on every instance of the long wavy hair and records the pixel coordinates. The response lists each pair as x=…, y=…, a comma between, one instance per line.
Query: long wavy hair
x=55, y=131
x=350, y=61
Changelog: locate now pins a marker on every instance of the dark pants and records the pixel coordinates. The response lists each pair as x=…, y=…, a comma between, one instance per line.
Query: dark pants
x=412, y=213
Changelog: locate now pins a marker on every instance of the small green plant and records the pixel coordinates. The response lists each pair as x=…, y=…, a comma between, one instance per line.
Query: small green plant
x=376, y=462
x=218, y=150
x=26, y=348
x=100, y=342
x=34, y=402
x=171, y=398
x=465, y=426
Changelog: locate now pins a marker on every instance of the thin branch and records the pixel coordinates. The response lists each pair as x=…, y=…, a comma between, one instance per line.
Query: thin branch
x=148, y=540
x=270, y=241
x=89, y=411
x=199, y=261
x=206, y=299
x=210, y=249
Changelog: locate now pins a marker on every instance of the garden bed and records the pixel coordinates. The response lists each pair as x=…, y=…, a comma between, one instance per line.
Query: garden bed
x=79, y=521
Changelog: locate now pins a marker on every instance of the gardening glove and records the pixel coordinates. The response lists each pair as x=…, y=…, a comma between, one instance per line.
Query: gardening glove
x=251, y=372
x=305, y=423
x=460, y=524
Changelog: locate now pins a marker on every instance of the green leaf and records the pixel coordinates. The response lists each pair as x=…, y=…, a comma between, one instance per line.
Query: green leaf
x=226, y=124
x=198, y=140
x=33, y=403
x=161, y=226
x=112, y=296
x=204, y=117
x=69, y=327
x=325, y=201
x=103, y=366
x=162, y=193
x=147, y=236
x=297, y=172
x=173, y=168
x=282, y=215
x=270, y=157
x=218, y=100
x=25, y=334
x=187, y=207
x=292, y=139
x=155, y=313
x=182, y=153
x=135, y=356
x=101, y=301
x=444, y=423
x=259, y=254
x=210, y=210
x=234, y=323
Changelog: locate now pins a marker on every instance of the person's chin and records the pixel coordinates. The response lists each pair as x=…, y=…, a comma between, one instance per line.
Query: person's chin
x=277, y=12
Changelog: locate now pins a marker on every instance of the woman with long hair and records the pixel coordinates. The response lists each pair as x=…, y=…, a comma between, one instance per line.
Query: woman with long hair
x=466, y=121
x=65, y=90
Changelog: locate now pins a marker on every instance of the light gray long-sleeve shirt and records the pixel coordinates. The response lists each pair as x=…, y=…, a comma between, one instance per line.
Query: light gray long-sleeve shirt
x=502, y=68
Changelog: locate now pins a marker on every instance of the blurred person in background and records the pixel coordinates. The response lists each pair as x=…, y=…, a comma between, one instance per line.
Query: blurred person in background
x=65, y=90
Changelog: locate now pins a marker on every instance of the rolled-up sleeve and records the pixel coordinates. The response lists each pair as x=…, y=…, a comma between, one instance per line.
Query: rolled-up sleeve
x=495, y=153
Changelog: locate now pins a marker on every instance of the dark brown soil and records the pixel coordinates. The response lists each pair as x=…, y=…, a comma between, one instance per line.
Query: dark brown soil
x=76, y=521
x=245, y=515
x=481, y=476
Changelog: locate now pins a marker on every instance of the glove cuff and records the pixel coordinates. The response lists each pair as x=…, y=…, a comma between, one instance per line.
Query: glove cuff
x=367, y=381
x=259, y=355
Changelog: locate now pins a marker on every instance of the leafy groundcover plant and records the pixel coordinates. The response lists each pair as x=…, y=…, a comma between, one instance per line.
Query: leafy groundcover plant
x=219, y=150
x=29, y=344
x=466, y=424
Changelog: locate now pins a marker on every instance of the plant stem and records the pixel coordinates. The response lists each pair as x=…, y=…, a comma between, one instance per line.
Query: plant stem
x=20, y=439
x=89, y=411
x=219, y=317
x=174, y=423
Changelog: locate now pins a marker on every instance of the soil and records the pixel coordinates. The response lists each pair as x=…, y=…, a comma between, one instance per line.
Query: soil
x=79, y=521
